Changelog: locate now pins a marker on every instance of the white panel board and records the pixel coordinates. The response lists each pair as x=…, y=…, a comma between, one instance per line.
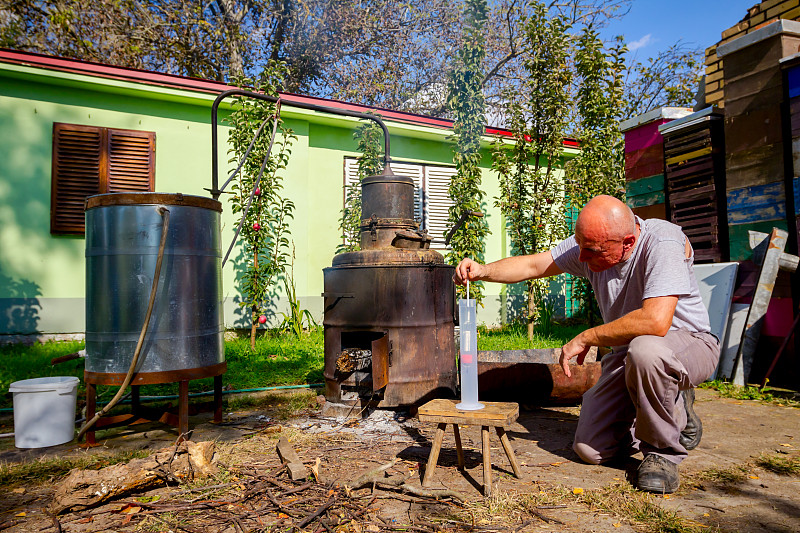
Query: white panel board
x=733, y=337
x=716, y=282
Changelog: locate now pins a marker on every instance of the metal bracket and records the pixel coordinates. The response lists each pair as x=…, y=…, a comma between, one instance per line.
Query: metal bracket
x=373, y=224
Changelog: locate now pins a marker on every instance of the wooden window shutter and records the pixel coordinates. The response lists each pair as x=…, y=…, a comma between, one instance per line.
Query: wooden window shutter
x=131, y=160
x=77, y=162
x=89, y=160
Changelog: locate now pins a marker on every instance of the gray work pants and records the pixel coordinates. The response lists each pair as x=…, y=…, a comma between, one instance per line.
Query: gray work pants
x=635, y=405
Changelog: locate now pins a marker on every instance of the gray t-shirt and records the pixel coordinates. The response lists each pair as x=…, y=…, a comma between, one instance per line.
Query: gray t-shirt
x=657, y=267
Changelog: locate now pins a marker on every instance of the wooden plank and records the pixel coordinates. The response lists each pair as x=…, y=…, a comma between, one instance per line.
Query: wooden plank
x=643, y=136
x=754, y=167
x=796, y=156
x=644, y=171
x=646, y=199
x=687, y=156
x=698, y=166
x=754, y=128
x=706, y=193
x=796, y=192
x=645, y=156
x=645, y=185
x=756, y=204
x=494, y=414
x=681, y=138
x=748, y=102
x=753, y=83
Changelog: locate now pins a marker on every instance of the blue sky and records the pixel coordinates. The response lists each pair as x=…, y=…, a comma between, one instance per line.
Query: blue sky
x=653, y=25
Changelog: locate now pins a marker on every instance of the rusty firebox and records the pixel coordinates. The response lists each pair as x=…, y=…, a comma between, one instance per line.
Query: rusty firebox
x=389, y=308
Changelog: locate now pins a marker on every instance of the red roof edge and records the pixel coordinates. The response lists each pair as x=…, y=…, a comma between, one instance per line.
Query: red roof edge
x=101, y=70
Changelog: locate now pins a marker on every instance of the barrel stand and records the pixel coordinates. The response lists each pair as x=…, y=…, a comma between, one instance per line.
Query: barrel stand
x=140, y=414
x=499, y=415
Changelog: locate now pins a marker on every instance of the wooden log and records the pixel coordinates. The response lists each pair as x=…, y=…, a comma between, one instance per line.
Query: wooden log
x=84, y=489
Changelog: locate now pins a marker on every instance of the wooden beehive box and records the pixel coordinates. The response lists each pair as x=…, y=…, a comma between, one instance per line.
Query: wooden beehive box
x=644, y=160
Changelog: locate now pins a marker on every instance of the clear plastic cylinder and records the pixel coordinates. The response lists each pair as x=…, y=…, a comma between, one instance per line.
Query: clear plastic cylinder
x=468, y=355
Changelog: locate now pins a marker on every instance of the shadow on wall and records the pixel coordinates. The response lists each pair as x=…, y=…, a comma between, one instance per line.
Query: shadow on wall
x=516, y=306
x=19, y=311
x=242, y=313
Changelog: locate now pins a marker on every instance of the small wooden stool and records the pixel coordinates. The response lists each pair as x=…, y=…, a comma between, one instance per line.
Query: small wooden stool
x=499, y=415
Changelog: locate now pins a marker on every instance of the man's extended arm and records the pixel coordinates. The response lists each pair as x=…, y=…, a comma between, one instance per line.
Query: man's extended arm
x=654, y=318
x=509, y=270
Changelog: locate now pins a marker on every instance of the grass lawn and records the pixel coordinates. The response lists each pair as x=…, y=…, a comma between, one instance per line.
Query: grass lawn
x=279, y=359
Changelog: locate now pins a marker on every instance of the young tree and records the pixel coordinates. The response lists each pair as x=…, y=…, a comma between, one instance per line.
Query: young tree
x=265, y=226
x=370, y=143
x=531, y=192
x=466, y=103
x=599, y=168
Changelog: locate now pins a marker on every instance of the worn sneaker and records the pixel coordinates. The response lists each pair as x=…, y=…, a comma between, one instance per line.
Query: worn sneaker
x=691, y=434
x=657, y=474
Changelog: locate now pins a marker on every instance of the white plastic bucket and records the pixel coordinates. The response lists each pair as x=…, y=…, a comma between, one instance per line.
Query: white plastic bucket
x=44, y=411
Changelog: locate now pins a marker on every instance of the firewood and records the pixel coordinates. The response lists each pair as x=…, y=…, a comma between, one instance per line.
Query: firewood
x=84, y=489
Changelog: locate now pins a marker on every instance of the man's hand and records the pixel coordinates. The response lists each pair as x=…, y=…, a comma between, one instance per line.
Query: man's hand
x=574, y=348
x=468, y=270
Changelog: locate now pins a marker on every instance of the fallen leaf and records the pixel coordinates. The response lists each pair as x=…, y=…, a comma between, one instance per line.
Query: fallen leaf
x=86, y=520
x=130, y=509
x=283, y=515
x=21, y=515
x=616, y=479
x=666, y=496
x=127, y=519
x=577, y=490
x=752, y=477
x=20, y=490
x=617, y=524
x=706, y=514
x=787, y=445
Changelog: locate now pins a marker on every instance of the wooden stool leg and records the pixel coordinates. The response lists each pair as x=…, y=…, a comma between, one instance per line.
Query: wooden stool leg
x=459, y=449
x=433, y=458
x=217, y=399
x=509, y=451
x=91, y=410
x=487, y=462
x=183, y=410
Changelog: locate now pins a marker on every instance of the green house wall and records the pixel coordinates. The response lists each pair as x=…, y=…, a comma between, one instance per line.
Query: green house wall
x=42, y=275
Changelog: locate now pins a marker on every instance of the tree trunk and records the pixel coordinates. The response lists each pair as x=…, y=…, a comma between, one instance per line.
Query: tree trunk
x=254, y=325
x=531, y=311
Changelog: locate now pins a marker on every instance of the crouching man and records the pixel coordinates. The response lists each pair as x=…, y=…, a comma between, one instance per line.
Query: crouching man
x=654, y=319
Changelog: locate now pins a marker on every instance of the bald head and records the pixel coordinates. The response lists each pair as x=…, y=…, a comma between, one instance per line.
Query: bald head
x=605, y=218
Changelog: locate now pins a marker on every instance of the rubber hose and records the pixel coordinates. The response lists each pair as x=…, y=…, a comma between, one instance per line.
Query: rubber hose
x=164, y=212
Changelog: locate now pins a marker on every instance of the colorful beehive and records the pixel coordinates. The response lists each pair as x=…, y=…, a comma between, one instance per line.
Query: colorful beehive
x=756, y=193
x=644, y=160
x=694, y=177
x=759, y=171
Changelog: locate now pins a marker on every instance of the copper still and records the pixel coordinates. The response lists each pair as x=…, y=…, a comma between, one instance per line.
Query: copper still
x=389, y=307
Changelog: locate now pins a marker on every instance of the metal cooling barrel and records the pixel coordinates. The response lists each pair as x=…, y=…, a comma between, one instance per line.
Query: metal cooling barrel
x=185, y=338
